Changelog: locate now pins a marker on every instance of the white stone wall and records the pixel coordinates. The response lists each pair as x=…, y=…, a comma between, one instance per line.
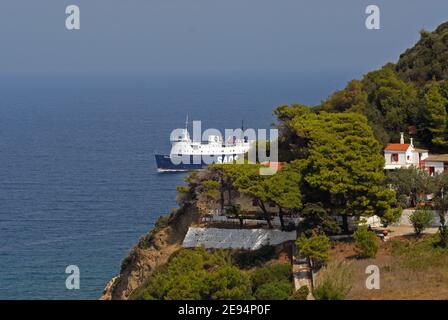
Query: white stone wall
x=410, y=157
x=251, y=239
x=438, y=166
x=401, y=158
x=404, y=219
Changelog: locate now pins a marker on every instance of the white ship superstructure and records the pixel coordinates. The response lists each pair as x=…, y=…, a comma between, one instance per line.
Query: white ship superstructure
x=187, y=154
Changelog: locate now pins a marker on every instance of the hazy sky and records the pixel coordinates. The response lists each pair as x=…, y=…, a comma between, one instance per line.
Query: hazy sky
x=208, y=35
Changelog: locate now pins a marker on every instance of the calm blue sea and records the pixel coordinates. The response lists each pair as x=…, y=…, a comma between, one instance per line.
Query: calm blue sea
x=78, y=183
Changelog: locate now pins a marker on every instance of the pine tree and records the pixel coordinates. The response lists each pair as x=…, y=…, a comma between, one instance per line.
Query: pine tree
x=436, y=115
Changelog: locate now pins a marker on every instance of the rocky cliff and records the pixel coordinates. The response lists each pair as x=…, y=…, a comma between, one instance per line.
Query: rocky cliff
x=152, y=250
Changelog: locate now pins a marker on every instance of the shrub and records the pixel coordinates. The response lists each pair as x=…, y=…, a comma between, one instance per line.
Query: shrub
x=229, y=283
x=182, y=195
x=316, y=218
x=196, y=274
x=248, y=259
x=272, y=282
x=421, y=219
x=316, y=247
x=300, y=294
x=277, y=290
x=272, y=273
x=365, y=242
x=441, y=203
x=391, y=216
x=443, y=236
x=403, y=201
x=334, y=281
x=162, y=221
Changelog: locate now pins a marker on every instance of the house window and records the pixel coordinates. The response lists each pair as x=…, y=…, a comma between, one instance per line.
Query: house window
x=254, y=202
x=431, y=171
x=394, y=157
x=409, y=158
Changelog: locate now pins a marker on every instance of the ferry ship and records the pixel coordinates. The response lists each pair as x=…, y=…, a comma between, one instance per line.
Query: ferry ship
x=188, y=155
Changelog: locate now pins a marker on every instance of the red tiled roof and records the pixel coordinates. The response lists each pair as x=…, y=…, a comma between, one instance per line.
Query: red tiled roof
x=437, y=158
x=273, y=164
x=397, y=147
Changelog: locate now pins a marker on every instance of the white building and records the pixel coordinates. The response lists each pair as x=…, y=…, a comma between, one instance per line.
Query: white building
x=404, y=155
x=436, y=163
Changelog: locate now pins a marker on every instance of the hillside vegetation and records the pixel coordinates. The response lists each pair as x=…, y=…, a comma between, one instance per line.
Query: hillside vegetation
x=200, y=274
x=410, y=96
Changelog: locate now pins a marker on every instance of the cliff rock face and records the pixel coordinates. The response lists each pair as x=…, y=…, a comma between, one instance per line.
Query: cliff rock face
x=152, y=250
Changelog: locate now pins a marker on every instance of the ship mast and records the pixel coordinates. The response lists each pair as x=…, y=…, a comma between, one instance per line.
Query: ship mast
x=186, y=135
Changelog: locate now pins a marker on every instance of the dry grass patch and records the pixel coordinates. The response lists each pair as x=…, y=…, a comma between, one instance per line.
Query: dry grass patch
x=410, y=268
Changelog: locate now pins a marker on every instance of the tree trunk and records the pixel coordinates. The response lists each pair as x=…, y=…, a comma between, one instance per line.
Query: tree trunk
x=414, y=198
x=443, y=232
x=241, y=221
x=229, y=193
x=280, y=216
x=221, y=193
x=345, y=224
x=266, y=214
x=222, y=201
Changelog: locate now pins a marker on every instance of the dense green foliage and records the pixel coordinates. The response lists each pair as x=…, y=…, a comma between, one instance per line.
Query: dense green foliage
x=273, y=282
x=390, y=104
x=201, y=274
x=281, y=189
x=197, y=274
x=421, y=219
x=255, y=258
x=427, y=59
x=278, y=290
x=315, y=218
x=340, y=163
x=315, y=248
x=400, y=97
x=271, y=273
x=365, y=242
x=408, y=184
x=435, y=118
x=300, y=294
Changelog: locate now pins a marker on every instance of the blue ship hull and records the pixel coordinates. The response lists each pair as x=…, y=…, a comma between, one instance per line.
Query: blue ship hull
x=166, y=163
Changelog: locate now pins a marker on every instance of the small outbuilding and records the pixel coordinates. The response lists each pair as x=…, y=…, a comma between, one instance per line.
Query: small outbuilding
x=436, y=163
